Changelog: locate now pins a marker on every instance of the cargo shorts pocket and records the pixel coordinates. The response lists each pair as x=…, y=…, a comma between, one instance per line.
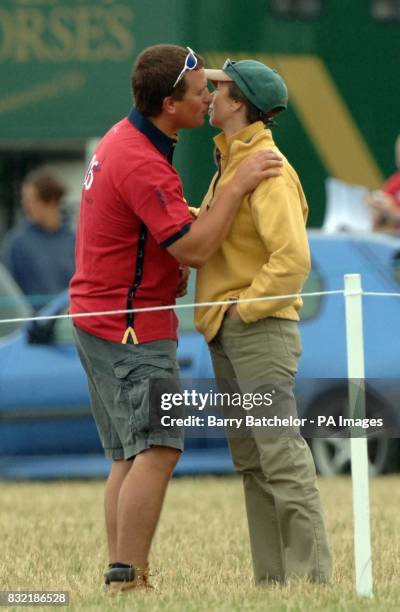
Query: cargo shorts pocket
x=137, y=376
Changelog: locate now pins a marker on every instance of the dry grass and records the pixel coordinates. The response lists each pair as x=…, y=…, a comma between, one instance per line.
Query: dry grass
x=52, y=538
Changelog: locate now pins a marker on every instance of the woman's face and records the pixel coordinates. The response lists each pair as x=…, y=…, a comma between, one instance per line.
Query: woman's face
x=222, y=106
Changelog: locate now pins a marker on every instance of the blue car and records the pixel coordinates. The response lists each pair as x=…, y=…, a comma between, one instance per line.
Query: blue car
x=322, y=383
x=46, y=426
x=47, y=430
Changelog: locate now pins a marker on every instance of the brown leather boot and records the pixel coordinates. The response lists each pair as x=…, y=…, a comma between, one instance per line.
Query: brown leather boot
x=121, y=579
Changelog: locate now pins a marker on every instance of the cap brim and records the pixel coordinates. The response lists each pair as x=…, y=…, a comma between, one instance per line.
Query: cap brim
x=216, y=75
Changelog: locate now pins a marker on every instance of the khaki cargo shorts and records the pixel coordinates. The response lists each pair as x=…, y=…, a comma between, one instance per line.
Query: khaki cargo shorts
x=125, y=382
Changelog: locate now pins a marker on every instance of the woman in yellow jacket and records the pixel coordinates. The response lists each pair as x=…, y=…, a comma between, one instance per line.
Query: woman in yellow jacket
x=255, y=345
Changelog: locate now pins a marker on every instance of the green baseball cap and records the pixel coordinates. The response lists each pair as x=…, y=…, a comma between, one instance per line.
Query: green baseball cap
x=262, y=85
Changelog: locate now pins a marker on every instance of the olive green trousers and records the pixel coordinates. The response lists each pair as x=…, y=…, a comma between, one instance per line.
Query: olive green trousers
x=287, y=533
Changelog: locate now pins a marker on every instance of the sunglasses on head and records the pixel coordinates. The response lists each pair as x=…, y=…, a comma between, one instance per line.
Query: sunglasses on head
x=230, y=64
x=190, y=64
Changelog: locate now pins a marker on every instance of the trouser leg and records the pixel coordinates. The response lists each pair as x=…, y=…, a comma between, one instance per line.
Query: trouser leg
x=289, y=477
x=262, y=515
x=282, y=498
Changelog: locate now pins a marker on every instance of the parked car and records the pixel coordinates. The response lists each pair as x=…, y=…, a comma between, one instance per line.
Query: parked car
x=13, y=304
x=47, y=430
x=324, y=362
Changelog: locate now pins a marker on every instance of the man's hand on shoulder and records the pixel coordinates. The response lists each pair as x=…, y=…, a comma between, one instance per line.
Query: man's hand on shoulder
x=257, y=167
x=210, y=230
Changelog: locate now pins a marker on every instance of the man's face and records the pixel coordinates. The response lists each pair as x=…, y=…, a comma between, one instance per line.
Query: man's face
x=222, y=106
x=191, y=110
x=31, y=202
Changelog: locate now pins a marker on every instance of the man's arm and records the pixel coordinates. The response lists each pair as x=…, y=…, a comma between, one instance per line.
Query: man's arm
x=210, y=230
x=184, y=273
x=383, y=207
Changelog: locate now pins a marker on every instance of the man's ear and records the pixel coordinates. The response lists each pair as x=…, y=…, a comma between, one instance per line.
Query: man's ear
x=168, y=105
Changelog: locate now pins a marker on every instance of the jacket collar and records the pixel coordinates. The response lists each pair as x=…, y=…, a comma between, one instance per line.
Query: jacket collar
x=244, y=136
x=161, y=141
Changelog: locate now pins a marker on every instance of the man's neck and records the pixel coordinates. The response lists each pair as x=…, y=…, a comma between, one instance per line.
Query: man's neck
x=51, y=219
x=164, y=126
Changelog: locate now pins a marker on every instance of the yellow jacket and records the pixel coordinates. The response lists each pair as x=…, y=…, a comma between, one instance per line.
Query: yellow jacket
x=266, y=252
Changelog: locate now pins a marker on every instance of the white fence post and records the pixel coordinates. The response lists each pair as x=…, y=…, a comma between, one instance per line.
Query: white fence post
x=359, y=450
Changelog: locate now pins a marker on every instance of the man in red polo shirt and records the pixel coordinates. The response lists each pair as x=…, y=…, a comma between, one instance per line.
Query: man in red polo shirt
x=134, y=234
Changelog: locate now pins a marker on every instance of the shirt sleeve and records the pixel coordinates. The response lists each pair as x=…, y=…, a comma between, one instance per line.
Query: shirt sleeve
x=154, y=194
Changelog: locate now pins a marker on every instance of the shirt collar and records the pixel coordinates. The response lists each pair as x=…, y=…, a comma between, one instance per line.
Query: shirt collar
x=161, y=141
x=245, y=136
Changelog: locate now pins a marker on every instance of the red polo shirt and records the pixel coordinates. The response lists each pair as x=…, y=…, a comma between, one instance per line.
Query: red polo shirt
x=130, y=189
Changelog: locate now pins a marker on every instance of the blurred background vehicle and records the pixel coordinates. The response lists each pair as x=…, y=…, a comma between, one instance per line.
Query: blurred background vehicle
x=46, y=427
x=47, y=430
x=13, y=304
x=322, y=380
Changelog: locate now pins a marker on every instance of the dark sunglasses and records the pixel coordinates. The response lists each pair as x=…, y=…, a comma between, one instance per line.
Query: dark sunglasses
x=190, y=64
x=230, y=64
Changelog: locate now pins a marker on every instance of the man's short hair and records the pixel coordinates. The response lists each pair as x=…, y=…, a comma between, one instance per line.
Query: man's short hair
x=154, y=74
x=48, y=185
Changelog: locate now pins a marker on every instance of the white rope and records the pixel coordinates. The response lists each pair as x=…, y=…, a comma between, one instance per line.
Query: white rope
x=170, y=307
x=194, y=305
x=380, y=294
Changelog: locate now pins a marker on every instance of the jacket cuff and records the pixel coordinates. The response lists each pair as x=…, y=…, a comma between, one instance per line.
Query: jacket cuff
x=243, y=310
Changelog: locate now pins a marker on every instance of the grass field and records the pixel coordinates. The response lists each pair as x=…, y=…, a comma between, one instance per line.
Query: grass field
x=52, y=538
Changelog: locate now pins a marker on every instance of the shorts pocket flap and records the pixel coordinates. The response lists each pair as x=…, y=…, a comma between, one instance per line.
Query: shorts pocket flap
x=139, y=366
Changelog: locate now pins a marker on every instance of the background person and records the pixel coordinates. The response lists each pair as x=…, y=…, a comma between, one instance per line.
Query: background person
x=255, y=346
x=385, y=202
x=39, y=251
x=134, y=232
